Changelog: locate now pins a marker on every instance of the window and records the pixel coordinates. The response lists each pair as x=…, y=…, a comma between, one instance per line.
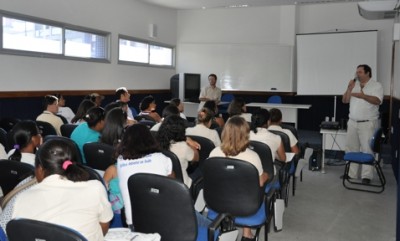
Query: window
x=42, y=38
x=142, y=52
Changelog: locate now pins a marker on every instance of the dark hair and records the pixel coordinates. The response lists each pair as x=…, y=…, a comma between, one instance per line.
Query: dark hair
x=145, y=103
x=84, y=106
x=211, y=105
x=93, y=116
x=21, y=135
x=236, y=107
x=58, y=95
x=259, y=118
x=175, y=102
x=366, y=68
x=170, y=110
x=172, y=129
x=49, y=100
x=212, y=75
x=52, y=156
x=90, y=97
x=205, y=115
x=111, y=106
x=114, y=126
x=120, y=91
x=275, y=115
x=137, y=142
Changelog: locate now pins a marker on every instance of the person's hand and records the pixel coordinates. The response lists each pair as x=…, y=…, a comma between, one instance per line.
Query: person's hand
x=351, y=85
x=193, y=144
x=358, y=95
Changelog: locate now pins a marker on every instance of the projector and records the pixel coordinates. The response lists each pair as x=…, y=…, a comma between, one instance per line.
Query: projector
x=330, y=125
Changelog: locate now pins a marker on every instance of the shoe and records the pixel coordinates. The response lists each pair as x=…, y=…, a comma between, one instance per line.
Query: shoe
x=248, y=239
x=366, y=181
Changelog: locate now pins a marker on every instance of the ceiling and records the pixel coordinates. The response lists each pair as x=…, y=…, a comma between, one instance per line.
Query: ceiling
x=207, y=4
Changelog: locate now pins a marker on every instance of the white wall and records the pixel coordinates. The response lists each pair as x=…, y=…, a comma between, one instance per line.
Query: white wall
x=126, y=17
x=345, y=16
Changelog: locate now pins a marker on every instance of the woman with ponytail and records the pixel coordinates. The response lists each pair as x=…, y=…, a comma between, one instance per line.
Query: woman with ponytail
x=204, y=121
x=64, y=195
x=26, y=138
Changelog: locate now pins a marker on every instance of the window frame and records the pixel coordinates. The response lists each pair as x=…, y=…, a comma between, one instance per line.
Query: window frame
x=64, y=27
x=149, y=43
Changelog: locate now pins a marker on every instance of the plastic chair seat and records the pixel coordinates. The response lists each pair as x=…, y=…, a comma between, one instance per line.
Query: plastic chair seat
x=359, y=157
x=256, y=219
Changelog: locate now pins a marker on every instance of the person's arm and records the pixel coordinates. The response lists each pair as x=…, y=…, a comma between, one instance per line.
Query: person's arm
x=263, y=178
x=295, y=149
x=155, y=116
x=369, y=98
x=347, y=95
x=193, y=144
x=280, y=153
x=104, y=228
x=172, y=175
x=109, y=174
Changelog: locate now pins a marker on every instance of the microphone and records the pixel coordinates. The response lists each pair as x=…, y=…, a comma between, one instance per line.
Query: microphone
x=355, y=79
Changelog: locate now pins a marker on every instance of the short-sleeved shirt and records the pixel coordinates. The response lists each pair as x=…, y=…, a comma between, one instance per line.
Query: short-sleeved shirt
x=292, y=139
x=185, y=154
x=203, y=131
x=51, y=118
x=264, y=136
x=211, y=93
x=83, y=134
x=360, y=109
x=77, y=205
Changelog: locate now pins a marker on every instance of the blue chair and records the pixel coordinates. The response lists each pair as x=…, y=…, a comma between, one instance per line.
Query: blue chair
x=3, y=236
x=32, y=230
x=225, y=98
x=366, y=159
x=275, y=99
x=232, y=190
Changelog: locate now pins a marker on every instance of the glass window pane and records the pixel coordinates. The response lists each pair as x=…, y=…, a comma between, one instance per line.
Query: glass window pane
x=30, y=36
x=160, y=55
x=87, y=45
x=133, y=51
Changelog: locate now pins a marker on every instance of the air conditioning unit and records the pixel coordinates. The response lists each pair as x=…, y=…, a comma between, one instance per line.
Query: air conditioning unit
x=378, y=9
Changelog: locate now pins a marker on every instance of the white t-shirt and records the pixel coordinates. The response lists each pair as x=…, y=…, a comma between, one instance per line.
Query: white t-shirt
x=51, y=118
x=360, y=109
x=292, y=138
x=202, y=130
x=247, y=155
x=156, y=163
x=25, y=157
x=66, y=112
x=3, y=153
x=185, y=154
x=77, y=205
x=264, y=136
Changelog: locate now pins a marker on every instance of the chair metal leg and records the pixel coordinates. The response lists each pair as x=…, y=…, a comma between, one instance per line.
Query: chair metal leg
x=371, y=187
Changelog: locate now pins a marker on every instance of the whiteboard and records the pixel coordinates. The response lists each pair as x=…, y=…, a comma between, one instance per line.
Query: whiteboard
x=243, y=67
x=327, y=61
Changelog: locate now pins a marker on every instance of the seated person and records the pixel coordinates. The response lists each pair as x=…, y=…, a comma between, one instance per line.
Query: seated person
x=235, y=142
x=178, y=103
x=204, y=120
x=71, y=200
x=167, y=111
x=49, y=115
x=238, y=107
x=84, y=106
x=114, y=124
x=217, y=121
x=148, y=108
x=26, y=138
x=123, y=95
x=63, y=110
x=89, y=131
x=275, y=122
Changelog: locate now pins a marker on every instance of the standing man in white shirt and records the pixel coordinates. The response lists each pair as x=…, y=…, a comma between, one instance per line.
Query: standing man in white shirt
x=364, y=95
x=211, y=92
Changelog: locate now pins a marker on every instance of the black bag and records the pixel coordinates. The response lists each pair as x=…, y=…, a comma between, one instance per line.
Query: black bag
x=314, y=164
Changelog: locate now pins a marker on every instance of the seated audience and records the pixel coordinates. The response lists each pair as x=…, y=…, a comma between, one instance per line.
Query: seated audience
x=178, y=103
x=114, y=124
x=217, y=121
x=167, y=111
x=123, y=95
x=84, y=106
x=259, y=122
x=97, y=99
x=171, y=136
x=275, y=122
x=138, y=152
x=148, y=108
x=63, y=110
x=238, y=107
x=26, y=138
x=64, y=195
x=235, y=142
x=49, y=115
x=204, y=120
x=89, y=131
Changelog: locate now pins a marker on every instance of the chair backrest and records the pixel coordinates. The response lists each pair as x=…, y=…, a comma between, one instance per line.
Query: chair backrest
x=231, y=186
x=13, y=172
x=206, y=147
x=227, y=97
x=285, y=140
x=162, y=205
x=94, y=175
x=98, y=155
x=65, y=139
x=7, y=123
x=376, y=141
x=46, y=128
x=148, y=123
x=67, y=129
x=4, y=139
x=144, y=117
x=176, y=164
x=265, y=154
x=33, y=230
x=64, y=120
x=291, y=129
x=276, y=99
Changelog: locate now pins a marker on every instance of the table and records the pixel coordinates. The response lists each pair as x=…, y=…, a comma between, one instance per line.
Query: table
x=332, y=140
x=191, y=109
x=289, y=111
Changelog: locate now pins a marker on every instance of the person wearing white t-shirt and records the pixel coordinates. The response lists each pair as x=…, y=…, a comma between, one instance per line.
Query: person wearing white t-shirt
x=64, y=110
x=204, y=120
x=235, y=142
x=65, y=195
x=238, y=108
